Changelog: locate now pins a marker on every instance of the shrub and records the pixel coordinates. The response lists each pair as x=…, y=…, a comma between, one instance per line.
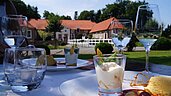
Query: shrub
x=132, y=43
x=162, y=43
x=105, y=48
x=45, y=47
x=51, y=46
x=62, y=43
x=48, y=38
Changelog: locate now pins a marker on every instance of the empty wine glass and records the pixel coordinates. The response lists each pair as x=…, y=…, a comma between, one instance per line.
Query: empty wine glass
x=148, y=27
x=14, y=28
x=121, y=33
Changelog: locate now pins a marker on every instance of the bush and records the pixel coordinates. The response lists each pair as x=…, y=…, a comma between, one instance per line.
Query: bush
x=132, y=43
x=48, y=38
x=105, y=48
x=62, y=43
x=45, y=47
x=51, y=46
x=162, y=43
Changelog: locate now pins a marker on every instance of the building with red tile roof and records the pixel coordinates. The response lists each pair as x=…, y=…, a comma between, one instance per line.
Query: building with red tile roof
x=75, y=29
x=31, y=33
x=75, y=24
x=103, y=30
x=39, y=24
x=33, y=26
x=78, y=29
x=102, y=26
x=72, y=28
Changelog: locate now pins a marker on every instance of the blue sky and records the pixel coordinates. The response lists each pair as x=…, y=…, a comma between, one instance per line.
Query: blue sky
x=68, y=7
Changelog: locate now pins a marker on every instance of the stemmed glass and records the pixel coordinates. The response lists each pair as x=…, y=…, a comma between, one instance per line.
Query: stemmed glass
x=148, y=27
x=14, y=28
x=121, y=33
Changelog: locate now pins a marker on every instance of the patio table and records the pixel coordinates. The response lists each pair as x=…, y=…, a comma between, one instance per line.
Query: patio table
x=50, y=86
x=52, y=81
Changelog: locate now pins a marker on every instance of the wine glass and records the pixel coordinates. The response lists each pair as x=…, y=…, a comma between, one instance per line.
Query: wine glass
x=14, y=28
x=148, y=27
x=121, y=33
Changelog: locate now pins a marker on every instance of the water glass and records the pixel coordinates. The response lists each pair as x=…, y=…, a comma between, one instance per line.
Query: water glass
x=110, y=73
x=71, y=58
x=24, y=68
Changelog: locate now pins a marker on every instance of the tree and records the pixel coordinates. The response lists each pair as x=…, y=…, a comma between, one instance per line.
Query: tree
x=66, y=17
x=54, y=25
x=43, y=34
x=87, y=15
x=20, y=6
x=27, y=10
x=48, y=14
x=76, y=15
x=97, y=16
x=126, y=9
x=167, y=32
x=84, y=15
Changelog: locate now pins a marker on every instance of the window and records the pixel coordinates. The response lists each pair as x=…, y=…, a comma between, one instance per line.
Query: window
x=29, y=34
x=59, y=36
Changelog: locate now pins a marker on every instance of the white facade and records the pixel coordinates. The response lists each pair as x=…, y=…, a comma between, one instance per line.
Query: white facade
x=101, y=35
x=64, y=35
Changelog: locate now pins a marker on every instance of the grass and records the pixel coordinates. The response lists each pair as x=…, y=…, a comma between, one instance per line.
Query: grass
x=156, y=57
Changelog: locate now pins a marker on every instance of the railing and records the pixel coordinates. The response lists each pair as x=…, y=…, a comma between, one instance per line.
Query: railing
x=88, y=42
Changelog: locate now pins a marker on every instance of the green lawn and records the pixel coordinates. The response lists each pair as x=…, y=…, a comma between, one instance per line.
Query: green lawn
x=157, y=57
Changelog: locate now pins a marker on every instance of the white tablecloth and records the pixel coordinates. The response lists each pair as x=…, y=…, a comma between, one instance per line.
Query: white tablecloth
x=52, y=81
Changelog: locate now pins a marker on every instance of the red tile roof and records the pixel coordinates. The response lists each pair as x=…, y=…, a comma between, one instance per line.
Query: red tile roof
x=40, y=24
x=30, y=26
x=81, y=24
x=105, y=25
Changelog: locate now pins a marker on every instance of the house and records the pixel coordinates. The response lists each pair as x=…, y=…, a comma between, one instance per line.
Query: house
x=39, y=24
x=71, y=28
x=74, y=29
x=33, y=26
x=104, y=30
x=30, y=35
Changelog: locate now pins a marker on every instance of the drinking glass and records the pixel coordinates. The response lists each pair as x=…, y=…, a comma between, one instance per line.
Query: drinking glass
x=71, y=56
x=148, y=27
x=24, y=68
x=110, y=73
x=121, y=32
x=14, y=28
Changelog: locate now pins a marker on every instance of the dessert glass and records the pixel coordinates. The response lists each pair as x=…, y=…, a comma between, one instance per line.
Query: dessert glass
x=110, y=73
